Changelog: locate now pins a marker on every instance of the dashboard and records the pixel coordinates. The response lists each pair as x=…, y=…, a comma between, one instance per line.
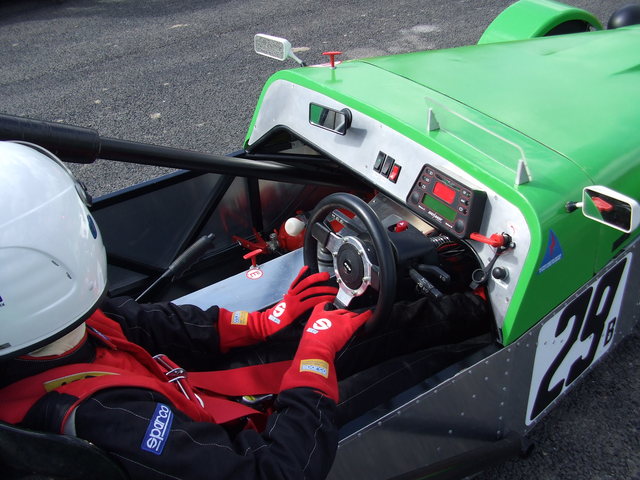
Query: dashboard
x=424, y=185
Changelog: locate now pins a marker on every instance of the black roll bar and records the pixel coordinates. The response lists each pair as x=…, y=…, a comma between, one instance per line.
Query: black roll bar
x=84, y=145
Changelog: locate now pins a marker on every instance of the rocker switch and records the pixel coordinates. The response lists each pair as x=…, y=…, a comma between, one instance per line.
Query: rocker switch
x=379, y=161
x=395, y=171
x=386, y=166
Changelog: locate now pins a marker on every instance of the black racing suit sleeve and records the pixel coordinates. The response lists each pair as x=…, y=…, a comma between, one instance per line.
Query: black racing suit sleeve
x=299, y=441
x=185, y=333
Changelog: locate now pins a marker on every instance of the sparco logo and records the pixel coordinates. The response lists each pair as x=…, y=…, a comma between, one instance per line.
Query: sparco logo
x=320, y=324
x=158, y=430
x=277, y=312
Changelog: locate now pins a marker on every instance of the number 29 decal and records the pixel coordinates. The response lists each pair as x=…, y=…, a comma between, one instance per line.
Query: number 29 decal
x=575, y=337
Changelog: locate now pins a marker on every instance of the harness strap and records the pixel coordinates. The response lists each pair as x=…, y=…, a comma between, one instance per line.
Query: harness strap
x=214, y=409
x=203, y=396
x=212, y=387
x=252, y=380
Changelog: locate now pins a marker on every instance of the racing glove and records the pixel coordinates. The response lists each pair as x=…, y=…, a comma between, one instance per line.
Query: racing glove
x=326, y=332
x=240, y=328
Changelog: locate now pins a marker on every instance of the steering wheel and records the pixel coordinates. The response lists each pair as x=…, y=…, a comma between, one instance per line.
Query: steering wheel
x=358, y=263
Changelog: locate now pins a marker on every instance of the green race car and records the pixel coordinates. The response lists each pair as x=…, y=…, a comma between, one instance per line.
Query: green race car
x=510, y=169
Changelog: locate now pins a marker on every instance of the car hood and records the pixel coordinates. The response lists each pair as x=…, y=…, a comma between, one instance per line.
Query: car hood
x=576, y=94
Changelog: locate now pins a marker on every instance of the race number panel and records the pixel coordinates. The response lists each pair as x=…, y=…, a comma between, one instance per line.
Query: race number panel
x=576, y=337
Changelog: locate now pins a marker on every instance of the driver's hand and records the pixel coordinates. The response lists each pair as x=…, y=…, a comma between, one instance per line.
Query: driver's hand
x=326, y=332
x=242, y=328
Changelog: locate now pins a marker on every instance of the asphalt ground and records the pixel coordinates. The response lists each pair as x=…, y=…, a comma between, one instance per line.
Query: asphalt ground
x=184, y=74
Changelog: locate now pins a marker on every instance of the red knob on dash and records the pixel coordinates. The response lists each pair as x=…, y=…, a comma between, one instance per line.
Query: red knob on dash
x=332, y=56
x=401, y=226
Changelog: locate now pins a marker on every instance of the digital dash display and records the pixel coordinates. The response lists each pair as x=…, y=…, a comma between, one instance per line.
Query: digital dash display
x=444, y=193
x=445, y=201
x=438, y=207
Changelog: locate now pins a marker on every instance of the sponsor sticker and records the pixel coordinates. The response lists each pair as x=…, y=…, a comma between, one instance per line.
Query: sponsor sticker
x=315, y=365
x=240, y=318
x=58, y=382
x=319, y=325
x=158, y=430
x=553, y=254
x=254, y=274
x=277, y=312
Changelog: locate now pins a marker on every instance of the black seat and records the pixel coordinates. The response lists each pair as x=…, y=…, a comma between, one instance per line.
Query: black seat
x=27, y=454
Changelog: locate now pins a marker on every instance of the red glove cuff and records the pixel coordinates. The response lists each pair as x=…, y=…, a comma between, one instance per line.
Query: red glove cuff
x=326, y=332
x=235, y=329
x=313, y=369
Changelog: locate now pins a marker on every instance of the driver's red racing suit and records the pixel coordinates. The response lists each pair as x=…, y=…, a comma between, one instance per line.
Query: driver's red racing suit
x=300, y=437
x=298, y=441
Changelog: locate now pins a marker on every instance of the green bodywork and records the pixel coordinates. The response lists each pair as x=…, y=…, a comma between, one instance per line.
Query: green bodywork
x=535, y=18
x=570, y=104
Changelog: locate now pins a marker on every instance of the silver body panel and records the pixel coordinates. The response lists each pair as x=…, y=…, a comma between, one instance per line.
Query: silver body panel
x=240, y=292
x=287, y=104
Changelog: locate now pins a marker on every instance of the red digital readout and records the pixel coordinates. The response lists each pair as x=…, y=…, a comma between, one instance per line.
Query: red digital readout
x=444, y=193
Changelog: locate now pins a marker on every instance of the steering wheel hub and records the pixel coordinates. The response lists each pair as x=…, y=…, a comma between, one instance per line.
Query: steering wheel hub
x=352, y=265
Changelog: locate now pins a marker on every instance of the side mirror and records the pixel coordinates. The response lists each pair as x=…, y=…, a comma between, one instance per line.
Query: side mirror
x=610, y=207
x=329, y=119
x=274, y=47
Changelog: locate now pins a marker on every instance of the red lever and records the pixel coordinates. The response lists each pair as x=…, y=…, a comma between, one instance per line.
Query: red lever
x=252, y=255
x=495, y=240
x=332, y=56
x=602, y=205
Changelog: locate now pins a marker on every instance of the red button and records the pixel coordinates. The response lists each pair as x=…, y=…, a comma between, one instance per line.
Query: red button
x=401, y=226
x=395, y=171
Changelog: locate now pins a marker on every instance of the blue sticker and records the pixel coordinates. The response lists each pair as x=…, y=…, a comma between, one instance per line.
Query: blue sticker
x=553, y=254
x=158, y=430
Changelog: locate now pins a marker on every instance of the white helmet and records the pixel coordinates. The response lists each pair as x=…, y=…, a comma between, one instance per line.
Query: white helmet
x=52, y=260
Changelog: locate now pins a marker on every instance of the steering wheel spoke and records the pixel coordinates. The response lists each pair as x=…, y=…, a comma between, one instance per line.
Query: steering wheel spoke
x=326, y=237
x=343, y=298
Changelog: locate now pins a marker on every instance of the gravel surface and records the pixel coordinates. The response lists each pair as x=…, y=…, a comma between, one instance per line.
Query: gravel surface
x=183, y=74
